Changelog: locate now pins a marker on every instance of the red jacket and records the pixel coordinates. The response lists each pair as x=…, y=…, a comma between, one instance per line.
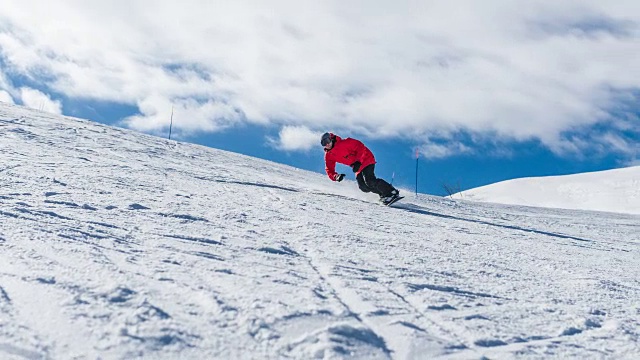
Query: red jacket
x=347, y=152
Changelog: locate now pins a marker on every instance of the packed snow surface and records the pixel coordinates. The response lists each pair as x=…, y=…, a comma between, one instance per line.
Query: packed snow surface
x=119, y=245
x=616, y=190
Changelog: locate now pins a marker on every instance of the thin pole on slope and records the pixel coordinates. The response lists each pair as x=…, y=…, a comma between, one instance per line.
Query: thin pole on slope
x=417, y=155
x=171, y=123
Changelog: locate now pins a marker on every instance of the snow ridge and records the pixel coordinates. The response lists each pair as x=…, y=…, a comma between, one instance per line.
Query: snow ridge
x=616, y=190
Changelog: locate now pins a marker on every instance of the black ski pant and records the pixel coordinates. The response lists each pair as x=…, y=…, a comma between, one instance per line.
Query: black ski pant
x=368, y=182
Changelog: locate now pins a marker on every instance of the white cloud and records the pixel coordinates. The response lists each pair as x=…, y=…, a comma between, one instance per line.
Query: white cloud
x=189, y=115
x=518, y=70
x=36, y=99
x=5, y=89
x=6, y=97
x=293, y=138
x=432, y=150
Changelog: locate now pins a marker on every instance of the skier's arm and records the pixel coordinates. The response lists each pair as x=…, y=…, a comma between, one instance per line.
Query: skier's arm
x=330, y=168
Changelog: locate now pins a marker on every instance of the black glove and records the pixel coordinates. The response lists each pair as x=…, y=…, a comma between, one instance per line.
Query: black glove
x=356, y=166
x=339, y=177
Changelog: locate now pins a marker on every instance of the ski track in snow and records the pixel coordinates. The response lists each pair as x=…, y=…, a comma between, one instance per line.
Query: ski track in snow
x=120, y=245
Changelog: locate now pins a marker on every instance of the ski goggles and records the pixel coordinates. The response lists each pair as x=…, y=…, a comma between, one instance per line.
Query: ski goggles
x=326, y=139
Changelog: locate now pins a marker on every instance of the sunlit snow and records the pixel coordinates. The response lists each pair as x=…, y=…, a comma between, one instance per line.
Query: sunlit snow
x=119, y=245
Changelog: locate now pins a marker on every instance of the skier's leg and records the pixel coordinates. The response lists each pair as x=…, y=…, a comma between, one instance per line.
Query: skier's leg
x=378, y=186
x=361, y=183
x=370, y=179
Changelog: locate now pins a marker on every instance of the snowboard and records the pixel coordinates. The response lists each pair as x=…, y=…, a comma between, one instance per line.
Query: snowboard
x=393, y=200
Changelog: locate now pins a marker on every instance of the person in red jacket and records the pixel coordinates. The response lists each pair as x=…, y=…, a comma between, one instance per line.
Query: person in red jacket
x=355, y=154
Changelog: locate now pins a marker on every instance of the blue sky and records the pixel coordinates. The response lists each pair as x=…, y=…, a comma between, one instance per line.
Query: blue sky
x=486, y=92
x=396, y=157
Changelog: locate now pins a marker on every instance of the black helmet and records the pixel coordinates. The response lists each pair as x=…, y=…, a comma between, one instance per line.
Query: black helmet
x=326, y=138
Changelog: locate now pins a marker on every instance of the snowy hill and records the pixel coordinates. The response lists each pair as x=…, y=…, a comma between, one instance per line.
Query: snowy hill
x=615, y=190
x=119, y=245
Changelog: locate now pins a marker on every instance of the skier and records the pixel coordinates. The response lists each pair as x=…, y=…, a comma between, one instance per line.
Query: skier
x=355, y=154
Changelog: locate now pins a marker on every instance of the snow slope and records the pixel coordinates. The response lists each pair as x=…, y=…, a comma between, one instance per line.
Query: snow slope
x=615, y=190
x=119, y=245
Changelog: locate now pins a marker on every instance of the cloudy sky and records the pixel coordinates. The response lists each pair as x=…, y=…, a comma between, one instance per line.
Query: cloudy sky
x=459, y=81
